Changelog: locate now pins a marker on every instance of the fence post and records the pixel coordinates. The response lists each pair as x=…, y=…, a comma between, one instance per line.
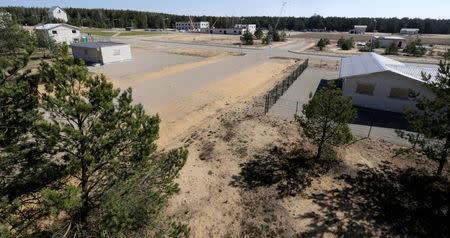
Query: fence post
x=266, y=104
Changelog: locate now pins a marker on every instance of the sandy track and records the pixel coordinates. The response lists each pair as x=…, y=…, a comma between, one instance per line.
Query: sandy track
x=206, y=201
x=133, y=79
x=189, y=111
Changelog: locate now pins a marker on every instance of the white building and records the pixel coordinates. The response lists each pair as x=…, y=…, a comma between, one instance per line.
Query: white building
x=409, y=31
x=187, y=26
x=61, y=32
x=382, y=83
x=358, y=29
x=386, y=41
x=101, y=52
x=57, y=13
x=238, y=29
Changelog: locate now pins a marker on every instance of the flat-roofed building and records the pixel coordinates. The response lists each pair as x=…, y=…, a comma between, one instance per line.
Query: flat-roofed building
x=101, y=52
x=187, y=26
x=409, y=31
x=386, y=41
x=238, y=29
x=358, y=29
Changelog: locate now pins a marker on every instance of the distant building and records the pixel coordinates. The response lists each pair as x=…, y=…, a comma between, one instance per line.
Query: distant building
x=57, y=13
x=386, y=41
x=409, y=31
x=61, y=32
x=238, y=29
x=381, y=83
x=187, y=26
x=358, y=29
x=101, y=52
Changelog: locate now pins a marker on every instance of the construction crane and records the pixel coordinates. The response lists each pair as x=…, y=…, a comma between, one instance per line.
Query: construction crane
x=215, y=22
x=192, y=24
x=279, y=16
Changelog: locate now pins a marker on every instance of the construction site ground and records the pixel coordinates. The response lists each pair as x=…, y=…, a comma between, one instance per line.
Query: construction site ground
x=236, y=181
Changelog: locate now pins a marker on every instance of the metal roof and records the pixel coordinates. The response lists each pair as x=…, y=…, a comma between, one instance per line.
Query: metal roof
x=389, y=37
x=371, y=63
x=54, y=25
x=53, y=8
x=95, y=45
x=409, y=29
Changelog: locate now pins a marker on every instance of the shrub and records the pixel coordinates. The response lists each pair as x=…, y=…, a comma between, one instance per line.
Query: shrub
x=346, y=44
x=259, y=34
x=365, y=49
x=415, y=48
x=321, y=44
x=391, y=50
x=247, y=38
x=267, y=39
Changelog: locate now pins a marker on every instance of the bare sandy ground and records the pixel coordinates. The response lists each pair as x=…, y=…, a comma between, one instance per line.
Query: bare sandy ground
x=189, y=111
x=334, y=50
x=199, y=52
x=209, y=39
x=133, y=79
x=434, y=39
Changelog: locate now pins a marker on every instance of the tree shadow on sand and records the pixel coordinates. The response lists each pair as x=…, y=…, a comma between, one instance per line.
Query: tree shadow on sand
x=383, y=202
x=291, y=171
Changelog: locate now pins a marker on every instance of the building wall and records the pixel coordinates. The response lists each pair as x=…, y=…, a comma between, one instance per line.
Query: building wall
x=224, y=31
x=58, y=14
x=64, y=34
x=115, y=53
x=187, y=25
x=385, y=43
x=409, y=32
x=381, y=99
x=86, y=54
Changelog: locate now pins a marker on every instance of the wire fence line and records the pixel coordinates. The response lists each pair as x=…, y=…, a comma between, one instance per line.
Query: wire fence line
x=273, y=95
x=369, y=123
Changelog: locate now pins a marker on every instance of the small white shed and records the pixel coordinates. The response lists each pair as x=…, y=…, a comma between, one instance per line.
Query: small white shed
x=382, y=83
x=57, y=13
x=61, y=32
x=101, y=52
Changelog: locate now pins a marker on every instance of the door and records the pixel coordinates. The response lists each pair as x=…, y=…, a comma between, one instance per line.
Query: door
x=99, y=56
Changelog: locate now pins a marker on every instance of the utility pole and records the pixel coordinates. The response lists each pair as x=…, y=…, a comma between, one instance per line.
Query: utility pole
x=373, y=36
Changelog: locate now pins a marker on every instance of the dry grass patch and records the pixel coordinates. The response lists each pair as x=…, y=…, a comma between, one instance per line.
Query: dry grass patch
x=200, y=52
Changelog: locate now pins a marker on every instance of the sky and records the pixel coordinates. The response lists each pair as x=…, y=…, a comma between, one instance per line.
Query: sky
x=346, y=8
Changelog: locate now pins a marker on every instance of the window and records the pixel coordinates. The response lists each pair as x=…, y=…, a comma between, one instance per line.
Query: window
x=54, y=32
x=74, y=31
x=399, y=93
x=116, y=52
x=367, y=89
x=86, y=52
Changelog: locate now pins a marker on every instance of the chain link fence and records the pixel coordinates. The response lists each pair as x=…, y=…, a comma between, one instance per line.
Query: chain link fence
x=273, y=95
x=369, y=123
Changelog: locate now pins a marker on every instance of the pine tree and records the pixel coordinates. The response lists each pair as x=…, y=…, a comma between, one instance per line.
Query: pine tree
x=431, y=119
x=259, y=34
x=247, y=38
x=391, y=50
x=325, y=118
x=25, y=167
x=107, y=145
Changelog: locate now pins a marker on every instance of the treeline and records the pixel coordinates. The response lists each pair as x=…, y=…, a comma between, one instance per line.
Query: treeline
x=105, y=18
